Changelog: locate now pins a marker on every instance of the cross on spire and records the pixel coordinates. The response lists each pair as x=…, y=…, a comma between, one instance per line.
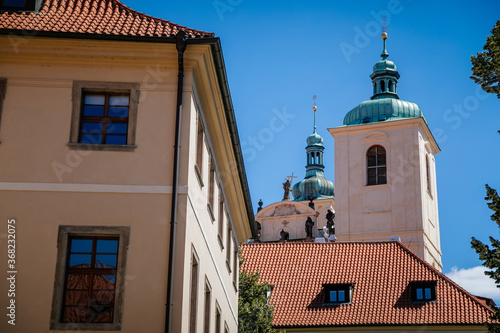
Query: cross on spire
x=384, y=21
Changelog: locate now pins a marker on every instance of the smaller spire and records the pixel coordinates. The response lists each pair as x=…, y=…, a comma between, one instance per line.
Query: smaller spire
x=384, y=54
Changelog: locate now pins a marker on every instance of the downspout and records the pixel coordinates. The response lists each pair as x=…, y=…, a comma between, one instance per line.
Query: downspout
x=181, y=38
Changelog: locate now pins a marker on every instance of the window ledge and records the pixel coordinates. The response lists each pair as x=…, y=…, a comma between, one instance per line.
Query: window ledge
x=336, y=304
x=235, y=286
x=210, y=212
x=84, y=146
x=86, y=326
x=377, y=185
x=430, y=195
x=219, y=238
x=198, y=175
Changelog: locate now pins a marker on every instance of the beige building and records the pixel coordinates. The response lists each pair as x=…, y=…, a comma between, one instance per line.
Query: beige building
x=93, y=181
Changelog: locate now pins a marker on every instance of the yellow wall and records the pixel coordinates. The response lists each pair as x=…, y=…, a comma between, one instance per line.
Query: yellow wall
x=44, y=183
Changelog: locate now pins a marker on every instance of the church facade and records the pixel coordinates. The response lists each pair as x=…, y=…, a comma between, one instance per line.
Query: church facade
x=385, y=179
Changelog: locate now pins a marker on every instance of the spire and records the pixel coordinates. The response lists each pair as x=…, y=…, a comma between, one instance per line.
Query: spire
x=384, y=54
x=385, y=75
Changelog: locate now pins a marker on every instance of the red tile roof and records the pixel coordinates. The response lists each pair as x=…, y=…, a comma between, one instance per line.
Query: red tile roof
x=381, y=273
x=100, y=17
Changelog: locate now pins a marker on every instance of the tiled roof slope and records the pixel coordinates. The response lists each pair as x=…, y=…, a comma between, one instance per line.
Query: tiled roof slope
x=101, y=17
x=381, y=273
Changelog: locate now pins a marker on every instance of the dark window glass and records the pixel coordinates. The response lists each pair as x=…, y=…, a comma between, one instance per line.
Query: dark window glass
x=376, y=172
x=338, y=293
x=424, y=291
x=14, y=3
x=104, y=118
x=90, y=279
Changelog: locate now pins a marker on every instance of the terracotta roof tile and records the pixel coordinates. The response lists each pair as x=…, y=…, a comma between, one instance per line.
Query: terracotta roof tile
x=381, y=273
x=103, y=17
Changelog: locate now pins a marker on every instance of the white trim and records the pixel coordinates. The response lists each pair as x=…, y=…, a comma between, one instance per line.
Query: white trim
x=92, y=188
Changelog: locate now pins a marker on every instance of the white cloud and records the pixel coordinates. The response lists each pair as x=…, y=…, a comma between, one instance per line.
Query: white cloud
x=475, y=282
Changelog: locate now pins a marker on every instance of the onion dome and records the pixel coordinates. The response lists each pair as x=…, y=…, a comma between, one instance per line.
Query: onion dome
x=385, y=104
x=314, y=184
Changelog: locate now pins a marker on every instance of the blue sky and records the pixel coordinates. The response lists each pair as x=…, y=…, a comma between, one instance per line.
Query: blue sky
x=279, y=54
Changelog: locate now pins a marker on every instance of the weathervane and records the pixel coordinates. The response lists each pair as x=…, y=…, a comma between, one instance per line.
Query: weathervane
x=314, y=109
x=384, y=21
x=384, y=54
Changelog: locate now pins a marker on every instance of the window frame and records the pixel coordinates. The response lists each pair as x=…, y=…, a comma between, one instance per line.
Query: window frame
x=207, y=306
x=229, y=238
x=193, y=292
x=211, y=189
x=376, y=167
x=200, y=145
x=3, y=90
x=347, y=288
x=65, y=232
x=422, y=285
x=220, y=226
x=218, y=317
x=79, y=88
x=428, y=174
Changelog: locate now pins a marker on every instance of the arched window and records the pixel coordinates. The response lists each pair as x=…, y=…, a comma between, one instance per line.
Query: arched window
x=390, y=85
x=374, y=88
x=382, y=86
x=428, y=173
x=376, y=169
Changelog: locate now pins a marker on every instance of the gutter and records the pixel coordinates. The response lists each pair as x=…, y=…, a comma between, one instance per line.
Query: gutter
x=181, y=38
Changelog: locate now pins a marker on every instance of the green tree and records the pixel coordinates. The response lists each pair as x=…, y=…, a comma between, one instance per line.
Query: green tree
x=491, y=256
x=486, y=65
x=255, y=315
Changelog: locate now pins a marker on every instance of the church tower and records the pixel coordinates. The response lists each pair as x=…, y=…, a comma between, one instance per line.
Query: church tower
x=385, y=179
x=313, y=207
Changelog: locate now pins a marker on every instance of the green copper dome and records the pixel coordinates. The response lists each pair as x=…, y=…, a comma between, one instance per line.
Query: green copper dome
x=385, y=104
x=314, y=139
x=382, y=109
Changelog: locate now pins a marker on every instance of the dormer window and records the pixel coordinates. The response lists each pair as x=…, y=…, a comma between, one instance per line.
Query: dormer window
x=423, y=291
x=338, y=293
x=17, y=5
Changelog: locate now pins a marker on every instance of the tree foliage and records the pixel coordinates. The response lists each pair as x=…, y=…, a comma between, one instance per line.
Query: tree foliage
x=486, y=65
x=255, y=315
x=491, y=256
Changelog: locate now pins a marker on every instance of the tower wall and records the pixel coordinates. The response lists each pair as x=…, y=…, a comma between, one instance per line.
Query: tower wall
x=403, y=206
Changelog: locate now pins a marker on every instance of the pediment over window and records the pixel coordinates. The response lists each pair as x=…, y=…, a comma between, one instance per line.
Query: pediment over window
x=288, y=208
x=376, y=136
